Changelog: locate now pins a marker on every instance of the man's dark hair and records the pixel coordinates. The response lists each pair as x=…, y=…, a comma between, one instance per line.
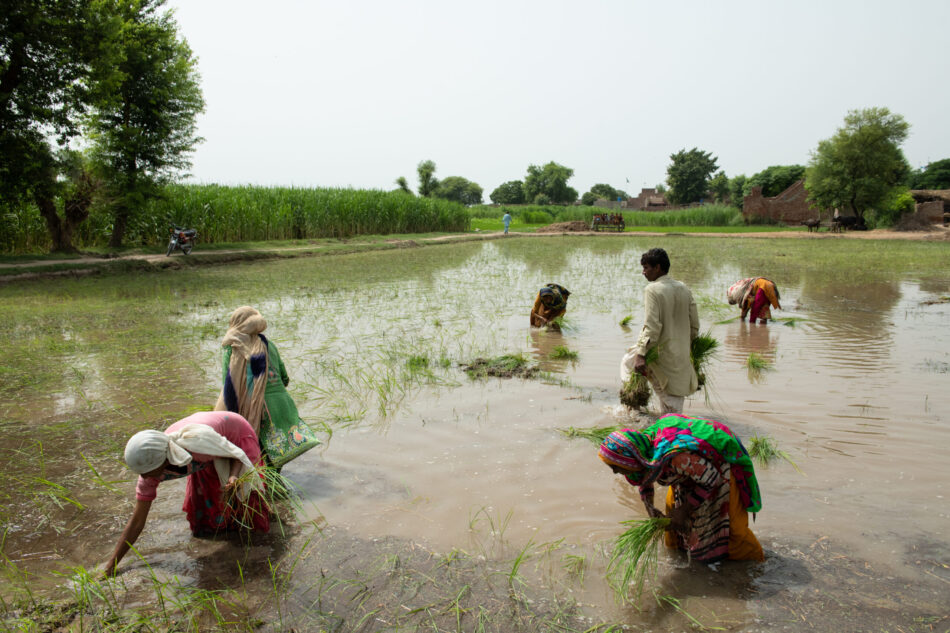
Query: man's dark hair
x=656, y=256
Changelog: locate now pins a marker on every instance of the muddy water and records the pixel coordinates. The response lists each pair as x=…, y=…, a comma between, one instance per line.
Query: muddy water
x=856, y=395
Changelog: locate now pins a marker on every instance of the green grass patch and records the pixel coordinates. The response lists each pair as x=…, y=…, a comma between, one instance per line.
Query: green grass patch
x=505, y=366
x=562, y=352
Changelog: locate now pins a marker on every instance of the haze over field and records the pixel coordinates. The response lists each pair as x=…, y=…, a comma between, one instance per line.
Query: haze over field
x=356, y=94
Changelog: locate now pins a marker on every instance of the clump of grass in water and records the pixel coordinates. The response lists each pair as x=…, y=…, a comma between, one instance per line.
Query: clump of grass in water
x=506, y=366
x=765, y=449
x=635, y=555
x=635, y=393
x=596, y=434
x=789, y=321
x=757, y=363
x=277, y=490
x=625, y=322
x=562, y=352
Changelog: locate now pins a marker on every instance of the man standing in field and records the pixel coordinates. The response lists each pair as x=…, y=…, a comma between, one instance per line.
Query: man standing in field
x=670, y=324
x=507, y=220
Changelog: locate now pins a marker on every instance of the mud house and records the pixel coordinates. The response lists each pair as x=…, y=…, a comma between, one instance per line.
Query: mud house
x=648, y=200
x=791, y=206
x=932, y=204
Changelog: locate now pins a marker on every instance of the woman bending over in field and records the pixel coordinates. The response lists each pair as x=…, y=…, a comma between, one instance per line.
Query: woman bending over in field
x=550, y=303
x=754, y=296
x=712, y=484
x=215, y=449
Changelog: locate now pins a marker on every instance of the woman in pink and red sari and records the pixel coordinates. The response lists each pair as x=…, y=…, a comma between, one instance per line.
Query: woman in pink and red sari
x=215, y=450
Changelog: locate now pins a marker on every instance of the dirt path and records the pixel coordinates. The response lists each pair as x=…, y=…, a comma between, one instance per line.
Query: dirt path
x=88, y=264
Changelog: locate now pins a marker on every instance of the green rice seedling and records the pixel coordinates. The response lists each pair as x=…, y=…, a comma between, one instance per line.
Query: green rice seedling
x=702, y=348
x=757, y=362
x=789, y=321
x=635, y=553
x=725, y=321
x=575, y=565
x=595, y=434
x=765, y=449
x=625, y=322
x=635, y=393
x=417, y=363
x=562, y=352
x=278, y=490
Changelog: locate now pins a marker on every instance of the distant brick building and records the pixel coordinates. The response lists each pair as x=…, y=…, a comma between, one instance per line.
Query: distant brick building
x=791, y=206
x=932, y=204
x=648, y=200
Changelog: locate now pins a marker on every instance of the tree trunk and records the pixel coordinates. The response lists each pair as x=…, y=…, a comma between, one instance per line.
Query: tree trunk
x=119, y=226
x=59, y=231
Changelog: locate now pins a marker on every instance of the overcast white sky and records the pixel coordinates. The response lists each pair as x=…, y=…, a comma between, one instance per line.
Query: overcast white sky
x=354, y=93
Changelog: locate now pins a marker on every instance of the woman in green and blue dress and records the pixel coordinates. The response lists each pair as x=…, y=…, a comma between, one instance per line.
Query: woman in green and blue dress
x=255, y=386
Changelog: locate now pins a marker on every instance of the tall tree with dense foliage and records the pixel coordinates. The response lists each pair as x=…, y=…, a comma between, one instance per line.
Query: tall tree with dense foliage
x=688, y=175
x=549, y=184
x=511, y=192
x=51, y=53
x=458, y=189
x=719, y=186
x=859, y=167
x=143, y=128
x=775, y=179
x=603, y=191
x=427, y=180
x=935, y=175
x=737, y=189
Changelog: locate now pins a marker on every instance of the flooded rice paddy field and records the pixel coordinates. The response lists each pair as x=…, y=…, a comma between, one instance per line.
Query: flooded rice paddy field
x=442, y=503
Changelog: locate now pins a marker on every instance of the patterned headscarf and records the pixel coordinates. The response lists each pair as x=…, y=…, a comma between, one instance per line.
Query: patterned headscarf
x=558, y=295
x=248, y=346
x=644, y=453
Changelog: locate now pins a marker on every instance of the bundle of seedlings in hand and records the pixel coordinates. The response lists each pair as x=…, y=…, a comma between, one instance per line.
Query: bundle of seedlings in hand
x=635, y=393
x=273, y=489
x=635, y=555
x=700, y=351
x=765, y=449
x=596, y=434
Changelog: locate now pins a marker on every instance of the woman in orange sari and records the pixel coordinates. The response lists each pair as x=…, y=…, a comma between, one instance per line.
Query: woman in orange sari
x=755, y=296
x=550, y=303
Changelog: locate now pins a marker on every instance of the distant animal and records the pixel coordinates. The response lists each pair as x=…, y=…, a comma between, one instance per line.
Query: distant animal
x=851, y=222
x=812, y=224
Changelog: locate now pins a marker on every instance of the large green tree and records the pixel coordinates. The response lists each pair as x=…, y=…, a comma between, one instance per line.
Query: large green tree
x=859, y=167
x=427, y=180
x=603, y=191
x=548, y=183
x=737, y=189
x=688, y=175
x=52, y=53
x=719, y=186
x=143, y=127
x=935, y=175
x=458, y=189
x=511, y=192
x=775, y=179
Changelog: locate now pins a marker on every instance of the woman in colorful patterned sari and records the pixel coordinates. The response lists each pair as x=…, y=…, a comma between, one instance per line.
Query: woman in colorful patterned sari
x=550, y=303
x=755, y=295
x=711, y=478
x=255, y=385
x=215, y=450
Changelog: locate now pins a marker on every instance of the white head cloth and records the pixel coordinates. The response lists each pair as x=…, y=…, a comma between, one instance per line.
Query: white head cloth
x=147, y=450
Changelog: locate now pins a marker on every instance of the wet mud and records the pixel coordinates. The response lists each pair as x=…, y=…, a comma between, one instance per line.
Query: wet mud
x=445, y=503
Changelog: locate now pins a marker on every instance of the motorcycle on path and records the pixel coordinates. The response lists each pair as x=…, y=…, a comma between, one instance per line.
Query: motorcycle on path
x=181, y=238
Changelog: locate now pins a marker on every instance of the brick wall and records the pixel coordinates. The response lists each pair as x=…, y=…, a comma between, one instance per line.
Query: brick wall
x=791, y=206
x=933, y=211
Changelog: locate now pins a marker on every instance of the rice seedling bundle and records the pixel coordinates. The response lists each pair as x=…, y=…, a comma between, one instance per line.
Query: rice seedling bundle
x=595, y=434
x=701, y=350
x=757, y=363
x=635, y=393
x=563, y=352
x=765, y=449
x=635, y=555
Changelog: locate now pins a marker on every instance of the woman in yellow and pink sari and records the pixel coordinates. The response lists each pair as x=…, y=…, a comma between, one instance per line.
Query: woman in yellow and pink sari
x=755, y=296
